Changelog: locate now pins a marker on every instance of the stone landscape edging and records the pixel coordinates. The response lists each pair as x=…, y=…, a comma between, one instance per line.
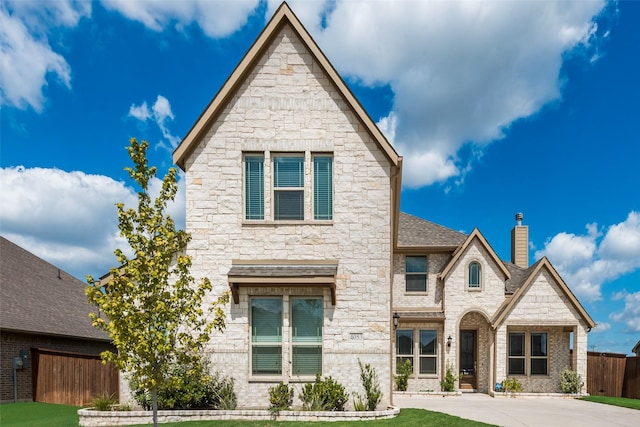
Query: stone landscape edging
x=90, y=417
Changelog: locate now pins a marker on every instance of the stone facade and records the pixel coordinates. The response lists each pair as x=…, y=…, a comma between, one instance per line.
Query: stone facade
x=287, y=105
x=283, y=99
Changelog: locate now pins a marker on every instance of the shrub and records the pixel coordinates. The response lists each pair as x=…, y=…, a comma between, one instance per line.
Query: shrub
x=371, y=385
x=190, y=388
x=323, y=395
x=104, y=402
x=404, y=369
x=280, y=397
x=512, y=385
x=448, y=383
x=570, y=381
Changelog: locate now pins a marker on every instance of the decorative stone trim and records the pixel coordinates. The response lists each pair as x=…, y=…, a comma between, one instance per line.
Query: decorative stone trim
x=92, y=418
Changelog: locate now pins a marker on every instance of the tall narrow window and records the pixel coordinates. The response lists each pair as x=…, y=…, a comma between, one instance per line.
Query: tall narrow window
x=288, y=188
x=516, y=353
x=404, y=347
x=306, y=336
x=474, y=274
x=416, y=273
x=539, y=353
x=428, y=351
x=254, y=187
x=266, y=336
x=322, y=188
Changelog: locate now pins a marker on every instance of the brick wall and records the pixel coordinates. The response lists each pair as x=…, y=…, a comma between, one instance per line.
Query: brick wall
x=10, y=345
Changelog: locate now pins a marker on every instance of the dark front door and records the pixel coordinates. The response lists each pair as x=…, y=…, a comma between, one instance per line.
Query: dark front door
x=467, y=360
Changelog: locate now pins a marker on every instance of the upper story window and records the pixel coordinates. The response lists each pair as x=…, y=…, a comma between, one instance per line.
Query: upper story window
x=289, y=187
x=416, y=273
x=254, y=187
x=475, y=275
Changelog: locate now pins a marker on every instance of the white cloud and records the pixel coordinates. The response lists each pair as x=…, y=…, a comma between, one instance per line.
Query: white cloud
x=28, y=62
x=69, y=218
x=630, y=315
x=217, y=18
x=601, y=327
x=160, y=113
x=588, y=261
x=461, y=71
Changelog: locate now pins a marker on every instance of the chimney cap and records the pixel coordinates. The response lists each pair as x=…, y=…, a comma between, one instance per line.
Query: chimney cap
x=519, y=218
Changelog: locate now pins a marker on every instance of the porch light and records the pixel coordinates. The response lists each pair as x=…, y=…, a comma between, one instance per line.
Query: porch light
x=396, y=319
x=449, y=341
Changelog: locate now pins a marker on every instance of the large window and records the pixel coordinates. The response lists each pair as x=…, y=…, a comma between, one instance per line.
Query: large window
x=426, y=347
x=305, y=330
x=254, y=187
x=416, y=273
x=428, y=351
x=535, y=357
x=539, y=353
x=516, y=353
x=266, y=336
x=404, y=347
x=288, y=187
x=475, y=275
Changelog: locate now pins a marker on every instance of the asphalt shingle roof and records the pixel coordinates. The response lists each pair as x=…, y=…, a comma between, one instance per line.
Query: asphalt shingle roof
x=414, y=231
x=37, y=297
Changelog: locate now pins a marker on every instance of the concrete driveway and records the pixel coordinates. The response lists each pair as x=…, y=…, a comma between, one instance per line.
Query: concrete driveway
x=543, y=411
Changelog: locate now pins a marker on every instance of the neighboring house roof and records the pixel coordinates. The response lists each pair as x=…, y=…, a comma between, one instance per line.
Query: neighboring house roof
x=636, y=349
x=475, y=235
x=528, y=278
x=38, y=298
x=417, y=232
x=283, y=16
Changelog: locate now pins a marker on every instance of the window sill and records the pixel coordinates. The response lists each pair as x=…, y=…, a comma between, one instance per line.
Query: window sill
x=473, y=289
x=428, y=377
x=416, y=293
x=266, y=379
x=271, y=223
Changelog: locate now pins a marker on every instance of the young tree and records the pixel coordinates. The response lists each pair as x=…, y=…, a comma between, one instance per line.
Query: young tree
x=151, y=305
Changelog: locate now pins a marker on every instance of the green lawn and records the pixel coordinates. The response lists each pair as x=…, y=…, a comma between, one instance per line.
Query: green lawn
x=617, y=401
x=46, y=415
x=34, y=414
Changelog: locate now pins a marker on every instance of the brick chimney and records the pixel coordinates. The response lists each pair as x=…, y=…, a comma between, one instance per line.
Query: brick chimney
x=520, y=243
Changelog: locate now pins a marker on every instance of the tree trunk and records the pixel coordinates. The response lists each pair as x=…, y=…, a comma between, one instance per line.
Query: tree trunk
x=154, y=405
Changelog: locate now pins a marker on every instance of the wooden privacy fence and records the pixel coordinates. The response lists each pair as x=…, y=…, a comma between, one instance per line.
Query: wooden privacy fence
x=613, y=374
x=71, y=378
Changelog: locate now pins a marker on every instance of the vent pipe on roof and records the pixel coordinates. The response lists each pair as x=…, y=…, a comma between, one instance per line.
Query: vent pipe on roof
x=520, y=243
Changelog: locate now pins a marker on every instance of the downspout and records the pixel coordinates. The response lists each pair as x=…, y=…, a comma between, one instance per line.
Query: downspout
x=396, y=187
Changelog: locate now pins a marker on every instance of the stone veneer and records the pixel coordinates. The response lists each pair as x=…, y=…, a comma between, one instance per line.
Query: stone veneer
x=287, y=105
x=92, y=418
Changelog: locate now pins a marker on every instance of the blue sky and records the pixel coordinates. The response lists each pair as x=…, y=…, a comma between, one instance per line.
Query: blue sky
x=497, y=107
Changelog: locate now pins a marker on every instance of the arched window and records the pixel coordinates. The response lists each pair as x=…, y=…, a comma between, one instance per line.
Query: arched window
x=475, y=273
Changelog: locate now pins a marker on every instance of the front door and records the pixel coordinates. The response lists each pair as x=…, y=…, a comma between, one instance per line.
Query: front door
x=467, y=360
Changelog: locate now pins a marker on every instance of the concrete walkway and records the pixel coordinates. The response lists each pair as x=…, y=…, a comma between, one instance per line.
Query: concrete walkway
x=518, y=412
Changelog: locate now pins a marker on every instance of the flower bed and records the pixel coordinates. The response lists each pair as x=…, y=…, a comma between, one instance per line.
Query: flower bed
x=92, y=418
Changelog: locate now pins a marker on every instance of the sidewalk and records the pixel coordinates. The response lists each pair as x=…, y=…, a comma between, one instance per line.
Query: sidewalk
x=518, y=412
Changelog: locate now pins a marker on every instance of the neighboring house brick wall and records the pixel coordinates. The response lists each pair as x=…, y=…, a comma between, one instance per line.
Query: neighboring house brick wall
x=287, y=105
x=432, y=300
x=12, y=342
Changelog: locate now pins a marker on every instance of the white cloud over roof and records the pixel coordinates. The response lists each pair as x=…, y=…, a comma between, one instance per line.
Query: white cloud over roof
x=588, y=261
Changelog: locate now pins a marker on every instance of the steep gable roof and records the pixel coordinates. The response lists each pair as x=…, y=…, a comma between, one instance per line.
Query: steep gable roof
x=475, y=235
x=283, y=16
x=38, y=298
x=530, y=274
x=417, y=232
